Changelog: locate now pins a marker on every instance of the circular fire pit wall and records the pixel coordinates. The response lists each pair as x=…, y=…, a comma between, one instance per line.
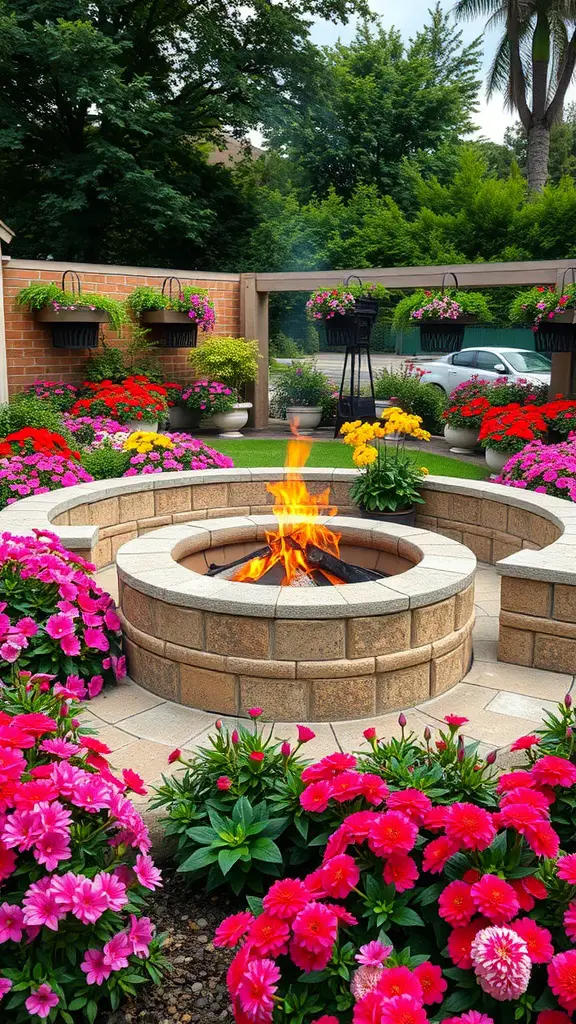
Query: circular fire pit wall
x=304, y=654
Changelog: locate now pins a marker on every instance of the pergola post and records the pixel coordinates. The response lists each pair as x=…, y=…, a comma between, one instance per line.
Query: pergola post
x=6, y=236
x=254, y=325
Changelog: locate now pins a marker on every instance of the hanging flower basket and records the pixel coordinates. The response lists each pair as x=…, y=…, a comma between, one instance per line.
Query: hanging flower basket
x=75, y=317
x=552, y=312
x=557, y=335
x=445, y=335
x=74, y=327
x=441, y=316
x=173, y=313
x=348, y=313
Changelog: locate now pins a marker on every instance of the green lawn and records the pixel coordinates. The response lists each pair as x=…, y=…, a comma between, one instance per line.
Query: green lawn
x=332, y=454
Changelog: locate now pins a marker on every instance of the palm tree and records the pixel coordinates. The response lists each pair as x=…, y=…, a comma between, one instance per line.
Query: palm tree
x=536, y=55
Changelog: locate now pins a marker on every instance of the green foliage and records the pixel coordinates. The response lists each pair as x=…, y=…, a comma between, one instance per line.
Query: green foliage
x=105, y=462
x=473, y=303
x=39, y=294
x=108, y=364
x=300, y=384
x=283, y=347
x=233, y=361
x=390, y=484
x=25, y=410
x=237, y=792
x=414, y=396
x=146, y=298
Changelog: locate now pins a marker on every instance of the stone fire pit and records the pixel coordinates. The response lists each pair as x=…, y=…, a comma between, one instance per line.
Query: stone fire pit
x=319, y=654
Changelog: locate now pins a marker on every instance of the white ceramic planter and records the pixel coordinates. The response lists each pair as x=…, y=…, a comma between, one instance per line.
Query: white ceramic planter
x=381, y=404
x=461, y=439
x=304, y=417
x=150, y=426
x=230, y=423
x=496, y=460
x=182, y=419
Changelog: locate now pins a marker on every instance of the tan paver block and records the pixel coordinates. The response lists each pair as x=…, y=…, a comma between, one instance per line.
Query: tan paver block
x=529, y=596
x=172, y=499
x=565, y=602
x=517, y=679
x=486, y=628
x=335, y=699
x=479, y=544
x=342, y=669
x=349, y=734
x=282, y=699
x=432, y=621
x=254, y=493
x=485, y=650
x=182, y=626
x=503, y=548
x=446, y=671
x=61, y=520
x=149, y=643
x=462, y=699
x=169, y=723
x=494, y=514
x=210, y=496
x=146, y=525
x=200, y=659
x=450, y=642
x=101, y=554
x=340, y=494
x=113, y=737
x=140, y=610
x=324, y=742
x=446, y=531
x=262, y=669
x=520, y=523
x=379, y=634
x=464, y=608
x=403, y=659
x=149, y=759
x=465, y=509
x=437, y=504
x=123, y=701
x=154, y=673
x=497, y=730
x=553, y=627
x=238, y=635
x=120, y=539
x=211, y=691
x=517, y=705
x=121, y=528
x=310, y=639
x=402, y=688
x=103, y=513
x=516, y=646
x=555, y=653
x=188, y=517
x=136, y=506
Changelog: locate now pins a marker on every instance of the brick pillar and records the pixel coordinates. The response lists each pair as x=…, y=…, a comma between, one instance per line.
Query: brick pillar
x=254, y=325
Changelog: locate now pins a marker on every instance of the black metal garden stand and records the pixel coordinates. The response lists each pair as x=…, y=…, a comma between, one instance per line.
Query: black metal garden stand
x=351, y=334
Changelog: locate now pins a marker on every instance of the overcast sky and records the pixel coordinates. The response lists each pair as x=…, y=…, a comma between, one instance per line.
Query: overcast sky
x=408, y=16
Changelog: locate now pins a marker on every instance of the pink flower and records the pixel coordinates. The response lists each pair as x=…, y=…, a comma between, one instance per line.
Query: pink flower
x=537, y=939
x=495, y=898
x=5, y=986
x=11, y=922
x=317, y=796
x=432, y=982
x=174, y=756
x=41, y=1001
x=41, y=908
x=60, y=748
x=373, y=953
x=411, y=802
x=96, y=639
x=562, y=979
x=392, y=832
x=370, y=733
x=147, y=873
x=51, y=848
x=437, y=853
x=255, y=712
x=365, y=980
x=268, y=935
x=224, y=783
x=470, y=826
x=89, y=902
x=315, y=928
x=501, y=963
x=404, y=1009
x=70, y=646
x=305, y=734
x=95, y=686
x=256, y=755
x=113, y=889
x=340, y=875
x=554, y=771
x=455, y=721
x=257, y=988
x=401, y=871
x=117, y=951
x=374, y=789
x=140, y=935
x=460, y=942
x=59, y=625
x=95, y=967
x=286, y=898
x=455, y=903
x=525, y=742
x=232, y=929
x=566, y=868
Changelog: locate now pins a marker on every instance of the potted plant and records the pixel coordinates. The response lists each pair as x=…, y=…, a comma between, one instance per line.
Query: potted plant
x=407, y=388
x=75, y=316
x=442, y=316
x=234, y=362
x=173, y=312
x=388, y=486
x=348, y=312
x=301, y=395
x=507, y=429
x=552, y=313
x=463, y=417
x=135, y=403
x=208, y=399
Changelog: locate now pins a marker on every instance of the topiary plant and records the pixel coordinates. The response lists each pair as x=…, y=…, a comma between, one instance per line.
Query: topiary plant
x=233, y=361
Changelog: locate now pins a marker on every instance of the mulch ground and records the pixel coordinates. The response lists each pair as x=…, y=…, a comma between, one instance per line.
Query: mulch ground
x=194, y=991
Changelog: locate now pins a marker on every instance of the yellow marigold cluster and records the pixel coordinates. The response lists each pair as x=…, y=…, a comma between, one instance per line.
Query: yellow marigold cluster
x=143, y=441
x=394, y=421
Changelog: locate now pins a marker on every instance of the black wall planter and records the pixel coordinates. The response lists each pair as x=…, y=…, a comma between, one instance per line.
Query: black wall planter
x=444, y=335
x=557, y=335
x=74, y=328
x=352, y=329
x=171, y=329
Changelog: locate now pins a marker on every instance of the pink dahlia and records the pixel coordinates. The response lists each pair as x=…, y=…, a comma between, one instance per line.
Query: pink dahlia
x=554, y=771
x=455, y=903
x=365, y=980
x=286, y=898
x=537, y=939
x=567, y=868
x=269, y=936
x=399, y=981
x=315, y=928
x=411, y=802
x=232, y=929
x=562, y=979
x=392, y=832
x=402, y=1010
x=501, y=963
x=432, y=982
x=495, y=899
x=470, y=826
x=340, y=875
x=437, y=853
x=317, y=796
x=373, y=954
x=401, y=871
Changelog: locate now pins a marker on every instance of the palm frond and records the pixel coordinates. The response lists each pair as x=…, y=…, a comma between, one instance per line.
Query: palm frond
x=476, y=8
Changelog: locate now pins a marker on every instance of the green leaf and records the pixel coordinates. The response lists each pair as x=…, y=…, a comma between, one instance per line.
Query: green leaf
x=255, y=904
x=266, y=850
x=459, y=1001
x=242, y=812
x=91, y=1011
x=199, y=859
x=202, y=834
x=228, y=858
x=407, y=917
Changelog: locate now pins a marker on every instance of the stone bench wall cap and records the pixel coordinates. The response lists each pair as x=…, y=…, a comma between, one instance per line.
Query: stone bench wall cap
x=554, y=564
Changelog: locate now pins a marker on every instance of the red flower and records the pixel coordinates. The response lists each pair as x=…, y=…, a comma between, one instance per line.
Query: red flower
x=402, y=1010
x=224, y=783
x=437, y=853
x=174, y=756
x=305, y=734
x=392, y=832
x=495, y=899
x=399, y=981
x=411, y=802
x=554, y=771
x=256, y=755
x=455, y=721
x=232, y=929
x=562, y=979
x=542, y=839
x=374, y=789
x=470, y=826
x=455, y=903
x=460, y=942
x=340, y=875
x=269, y=935
x=538, y=940
x=401, y=871
x=432, y=982
x=346, y=786
x=525, y=742
x=286, y=898
x=315, y=928
x=316, y=797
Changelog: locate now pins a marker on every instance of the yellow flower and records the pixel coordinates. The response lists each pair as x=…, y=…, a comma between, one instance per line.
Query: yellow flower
x=424, y=470
x=144, y=441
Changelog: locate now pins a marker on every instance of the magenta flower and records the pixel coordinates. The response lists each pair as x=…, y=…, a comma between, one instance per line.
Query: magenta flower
x=60, y=625
x=42, y=1001
x=95, y=967
x=11, y=923
x=51, y=848
x=5, y=986
x=147, y=873
x=117, y=951
x=140, y=935
x=89, y=902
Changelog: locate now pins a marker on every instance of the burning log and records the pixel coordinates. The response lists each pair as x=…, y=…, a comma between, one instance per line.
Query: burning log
x=345, y=571
x=323, y=569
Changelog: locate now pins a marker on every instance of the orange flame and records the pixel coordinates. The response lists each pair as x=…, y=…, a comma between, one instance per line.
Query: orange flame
x=297, y=512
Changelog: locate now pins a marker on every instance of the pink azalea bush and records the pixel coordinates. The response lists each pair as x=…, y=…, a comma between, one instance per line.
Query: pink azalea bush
x=37, y=473
x=545, y=468
x=420, y=910
x=54, y=618
x=75, y=867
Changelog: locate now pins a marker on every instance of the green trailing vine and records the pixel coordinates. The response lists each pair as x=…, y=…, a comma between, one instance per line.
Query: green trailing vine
x=40, y=294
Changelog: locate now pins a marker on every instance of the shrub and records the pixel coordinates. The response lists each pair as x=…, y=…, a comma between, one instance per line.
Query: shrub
x=106, y=462
x=75, y=867
x=108, y=364
x=37, y=473
x=504, y=391
x=39, y=294
x=427, y=305
x=55, y=618
x=136, y=398
x=545, y=468
x=411, y=392
x=233, y=361
x=418, y=908
x=509, y=428
x=29, y=411
x=58, y=392
x=283, y=347
x=236, y=810
x=301, y=384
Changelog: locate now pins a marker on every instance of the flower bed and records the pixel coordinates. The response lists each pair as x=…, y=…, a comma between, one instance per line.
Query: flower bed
x=510, y=427
x=54, y=618
x=22, y=475
x=546, y=468
x=58, y=392
x=424, y=905
x=181, y=452
x=74, y=865
x=136, y=398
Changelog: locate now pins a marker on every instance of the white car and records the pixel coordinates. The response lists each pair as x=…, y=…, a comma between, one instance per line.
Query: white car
x=448, y=372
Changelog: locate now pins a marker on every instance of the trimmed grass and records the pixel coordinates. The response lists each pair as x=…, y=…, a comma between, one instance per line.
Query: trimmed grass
x=248, y=452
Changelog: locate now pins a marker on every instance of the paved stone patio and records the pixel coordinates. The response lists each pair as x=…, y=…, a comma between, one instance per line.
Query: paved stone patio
x=501, y=702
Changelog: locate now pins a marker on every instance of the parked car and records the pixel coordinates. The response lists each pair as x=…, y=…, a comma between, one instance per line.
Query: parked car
x=449, y=371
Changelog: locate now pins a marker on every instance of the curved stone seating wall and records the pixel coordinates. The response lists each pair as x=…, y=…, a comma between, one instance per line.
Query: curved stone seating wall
x=317, y=655
x=530, y=537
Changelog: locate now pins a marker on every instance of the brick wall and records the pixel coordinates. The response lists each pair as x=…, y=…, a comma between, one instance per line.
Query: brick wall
x=29, y=349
